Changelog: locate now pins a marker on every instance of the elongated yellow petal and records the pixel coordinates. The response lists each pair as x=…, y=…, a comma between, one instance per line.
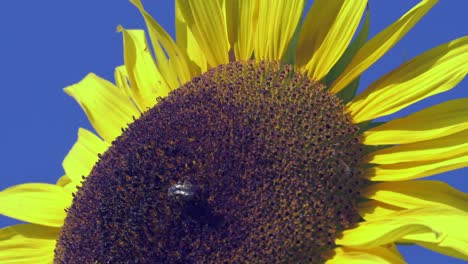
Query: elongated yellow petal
x=434, y=122
x=206, y=21
x=439, y=225
x=322, y=43
x=100, y=98
x=394, y=249
x=440, y=229
x=375, y=48
x=414, y=194
x=37, y=203
x=277, y=21
x=27, y=243
x=122, y=81
x=146, y=81
x=449, y=225
x=432, y=72
x=373, y=209
x=174, y=66
x=378, y=255
x=241, y=21
x=377, y=232
x=349, y=92
x=444, y=148
x=83, y=155
x=187, y=42
x=415, y=170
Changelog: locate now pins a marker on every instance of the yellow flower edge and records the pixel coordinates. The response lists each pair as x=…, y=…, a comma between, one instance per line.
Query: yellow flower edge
x=397, y=210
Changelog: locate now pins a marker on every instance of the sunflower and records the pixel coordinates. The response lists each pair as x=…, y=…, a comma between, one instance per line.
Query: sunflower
x=245, y=141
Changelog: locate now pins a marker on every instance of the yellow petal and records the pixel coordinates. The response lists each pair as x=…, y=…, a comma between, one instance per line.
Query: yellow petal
x=437, y=121
x=64, y=180
x=375, y=48
x=100, y=98
x=174, y=66
x=376, y=232
x=83, y=155
x=449, y=225
x=146, y=81
x=241, y=21
x=378, y=255
x=394, y=249
x=414, y=194
x=415, y=170
x=373, y=209
x=277, y=21
x=66, y=183
x=187, y=42
x=327, y=31
x=206, y=21
x=439, y=225
x=37, y=203
x=27, y=243
x=122, y=81
x=432, y=72
x=444, y=148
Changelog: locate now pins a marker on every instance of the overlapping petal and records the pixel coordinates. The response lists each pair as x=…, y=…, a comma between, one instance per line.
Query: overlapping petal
x=443, y=148
x=430, y=73
x=206, y=21
x=277, y=21
x=415, y=170
x=427, y=225
x=122, y=81
x=174, y=67
x=448, y=225
x=67, y=183
x=414, y=194
x=99, y=98
x=27, y=243
x=37, y=203
x=349, y=92
x=434, y=122
x=322, y=44
x=63, y=181
x=373, y=209
x=241, y=22
x=83, y=155
x=187, y=42
x=375, y=48
x=146, y=82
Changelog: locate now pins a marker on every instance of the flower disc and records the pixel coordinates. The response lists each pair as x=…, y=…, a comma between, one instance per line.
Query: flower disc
x=247, y=163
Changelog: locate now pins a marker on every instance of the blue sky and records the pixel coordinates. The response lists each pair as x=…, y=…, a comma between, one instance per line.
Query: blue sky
x=47, y=45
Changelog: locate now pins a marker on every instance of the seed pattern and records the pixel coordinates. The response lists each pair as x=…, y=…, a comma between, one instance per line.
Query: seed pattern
x=268, y=160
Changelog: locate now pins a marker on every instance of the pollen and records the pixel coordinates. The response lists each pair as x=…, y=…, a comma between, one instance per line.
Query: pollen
x=251, y=162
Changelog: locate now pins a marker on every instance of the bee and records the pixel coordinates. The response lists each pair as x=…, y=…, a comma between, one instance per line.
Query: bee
x=184, y=192
x=190, y=198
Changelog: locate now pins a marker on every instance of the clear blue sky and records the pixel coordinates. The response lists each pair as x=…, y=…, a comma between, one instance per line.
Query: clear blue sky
x=47, y=45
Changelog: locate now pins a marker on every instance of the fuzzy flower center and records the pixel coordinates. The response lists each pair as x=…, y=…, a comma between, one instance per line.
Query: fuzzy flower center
x=247, y=163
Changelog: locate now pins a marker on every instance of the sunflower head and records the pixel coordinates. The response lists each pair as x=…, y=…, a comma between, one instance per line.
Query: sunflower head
x=245, y=163
x=245, y=141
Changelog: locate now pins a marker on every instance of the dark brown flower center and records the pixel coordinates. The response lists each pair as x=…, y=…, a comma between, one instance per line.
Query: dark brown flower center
x=247, y=163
